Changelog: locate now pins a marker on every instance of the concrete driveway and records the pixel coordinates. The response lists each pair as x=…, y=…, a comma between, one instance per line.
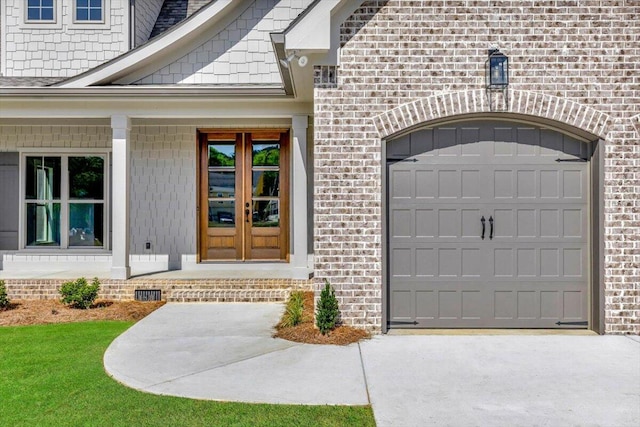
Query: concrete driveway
x=504, y=380
x=225, y=352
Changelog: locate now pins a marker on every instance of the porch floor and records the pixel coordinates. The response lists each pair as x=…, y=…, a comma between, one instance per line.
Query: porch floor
x=101, y=273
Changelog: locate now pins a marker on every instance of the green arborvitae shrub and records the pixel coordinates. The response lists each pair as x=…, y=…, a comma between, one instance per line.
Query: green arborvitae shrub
x=293, y=311
x=4, y=300
x=327, y=310
x=80, y=294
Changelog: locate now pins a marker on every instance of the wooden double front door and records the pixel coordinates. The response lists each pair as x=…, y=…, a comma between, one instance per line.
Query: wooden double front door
x=243, y=195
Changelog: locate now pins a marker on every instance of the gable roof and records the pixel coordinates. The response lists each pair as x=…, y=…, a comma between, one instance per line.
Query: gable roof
x=226, y=43
x=173, y=12
x=171, y=44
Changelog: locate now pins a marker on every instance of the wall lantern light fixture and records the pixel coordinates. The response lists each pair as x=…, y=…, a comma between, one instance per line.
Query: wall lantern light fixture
x=497, y=80
x=497, y=70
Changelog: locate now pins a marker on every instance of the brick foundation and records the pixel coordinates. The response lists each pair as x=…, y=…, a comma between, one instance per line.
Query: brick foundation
x=200, y=290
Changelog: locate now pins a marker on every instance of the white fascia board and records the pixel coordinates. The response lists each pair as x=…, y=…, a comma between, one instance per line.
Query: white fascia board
x=314, y=32
x=173, y=40
x=167, y=107
x=151, y=91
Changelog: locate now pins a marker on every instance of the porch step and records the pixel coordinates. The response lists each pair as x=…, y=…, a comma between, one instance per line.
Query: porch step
x=235, y=290
x=228, y=295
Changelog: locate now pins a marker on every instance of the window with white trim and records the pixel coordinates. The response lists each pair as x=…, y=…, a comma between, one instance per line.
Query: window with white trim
x=65, y=201
x=89, y=11
x=41, y=11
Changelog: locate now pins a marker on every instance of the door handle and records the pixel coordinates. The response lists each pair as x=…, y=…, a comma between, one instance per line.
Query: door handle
x=247, y=212
x=491, y=228
x=482, y=221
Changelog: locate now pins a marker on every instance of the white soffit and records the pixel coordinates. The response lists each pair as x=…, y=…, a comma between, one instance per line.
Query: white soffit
x=163, y=49
x=318, y=30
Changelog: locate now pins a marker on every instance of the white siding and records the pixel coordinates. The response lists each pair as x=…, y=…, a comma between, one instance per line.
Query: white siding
x=242, y=53
x=15, y=138
x=62, y=49
x=146, y=14
x=163, y=191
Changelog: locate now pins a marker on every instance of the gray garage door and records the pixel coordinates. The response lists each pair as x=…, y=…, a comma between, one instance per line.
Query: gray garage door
x=488, y=227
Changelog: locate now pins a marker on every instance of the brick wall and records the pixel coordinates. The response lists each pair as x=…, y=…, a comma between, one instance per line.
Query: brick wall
x=62, y=49
x=240, y=53
x=408, y=62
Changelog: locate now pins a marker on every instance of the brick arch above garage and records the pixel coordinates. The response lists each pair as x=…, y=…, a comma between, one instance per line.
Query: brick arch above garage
x=541, y=107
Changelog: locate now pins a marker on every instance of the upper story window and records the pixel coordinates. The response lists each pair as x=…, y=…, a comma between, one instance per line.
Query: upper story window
x=41, y=10
x=89, y=10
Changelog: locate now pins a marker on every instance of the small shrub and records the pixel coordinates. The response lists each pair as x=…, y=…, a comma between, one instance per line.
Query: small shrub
x=4, y=300
x=293, y=311
x=80, y=294
x=327, y=310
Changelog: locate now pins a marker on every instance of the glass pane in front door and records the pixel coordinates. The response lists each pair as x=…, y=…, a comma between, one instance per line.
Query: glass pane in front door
x=222, y=237
x=242, y=190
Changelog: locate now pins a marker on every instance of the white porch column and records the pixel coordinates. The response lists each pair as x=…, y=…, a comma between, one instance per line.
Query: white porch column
x=121, y=127
x=299, y=181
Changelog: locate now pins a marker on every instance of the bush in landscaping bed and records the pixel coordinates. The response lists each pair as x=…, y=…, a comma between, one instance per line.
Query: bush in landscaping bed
x=327, y=310
x=80, y=294
x=293, y=311
x=4, y=300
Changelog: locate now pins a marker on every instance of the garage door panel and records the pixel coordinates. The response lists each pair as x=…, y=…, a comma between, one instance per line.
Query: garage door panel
x=503, y=184
x=426, y=306
x=572, y=184
x=401, y=223
x=401, y=304
x=549, y=184
x=448, y=222
x=531, y=271
x=534, y=305
x=446, y=142
x=426, y=223
x=471, y=226
x=448, y=184
x=401, y=184
x=425, y=184
x=426, y=262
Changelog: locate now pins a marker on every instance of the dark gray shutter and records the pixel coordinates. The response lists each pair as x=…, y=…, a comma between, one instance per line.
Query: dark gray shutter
x=9, y=201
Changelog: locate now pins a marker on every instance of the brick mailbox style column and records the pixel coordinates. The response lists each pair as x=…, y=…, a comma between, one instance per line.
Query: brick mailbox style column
x=404, y=64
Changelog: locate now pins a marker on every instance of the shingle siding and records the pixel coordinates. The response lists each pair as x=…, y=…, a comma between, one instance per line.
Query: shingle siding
x=242, y=53
x=63, y=50
x=163, y=191
x=404, y=63
x=146, y=15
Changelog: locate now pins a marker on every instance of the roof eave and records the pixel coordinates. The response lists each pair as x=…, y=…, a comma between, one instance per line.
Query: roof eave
x=148, y=91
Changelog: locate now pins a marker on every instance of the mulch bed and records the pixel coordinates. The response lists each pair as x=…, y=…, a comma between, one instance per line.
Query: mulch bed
x=306, y=332
x=38, y=312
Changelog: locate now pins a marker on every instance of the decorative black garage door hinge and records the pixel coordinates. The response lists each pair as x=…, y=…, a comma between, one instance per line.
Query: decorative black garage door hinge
x=399, y=322
x=580, y=159
x=583, y=323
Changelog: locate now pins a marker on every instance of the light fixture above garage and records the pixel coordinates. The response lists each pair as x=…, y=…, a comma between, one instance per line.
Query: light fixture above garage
x=497, y=70
x=497, y=80
x=302, y=60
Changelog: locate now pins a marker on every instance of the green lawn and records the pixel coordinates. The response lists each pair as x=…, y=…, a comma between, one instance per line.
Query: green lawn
x=52, y=375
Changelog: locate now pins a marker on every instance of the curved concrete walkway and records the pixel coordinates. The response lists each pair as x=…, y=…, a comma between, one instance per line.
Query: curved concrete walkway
x=225, y=352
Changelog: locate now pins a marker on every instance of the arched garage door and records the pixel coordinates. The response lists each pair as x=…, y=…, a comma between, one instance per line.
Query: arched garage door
x=487, y=227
